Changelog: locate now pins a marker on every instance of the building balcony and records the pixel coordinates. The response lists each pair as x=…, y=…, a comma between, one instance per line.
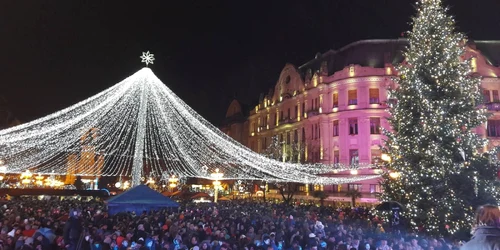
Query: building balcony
x=312, y=112
x=286, y=121
x=492, y=106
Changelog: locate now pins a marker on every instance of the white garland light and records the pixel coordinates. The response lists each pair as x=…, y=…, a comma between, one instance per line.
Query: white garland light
x=140, y=127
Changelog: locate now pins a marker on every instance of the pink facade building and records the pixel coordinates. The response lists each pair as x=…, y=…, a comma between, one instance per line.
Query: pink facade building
x=334, y=105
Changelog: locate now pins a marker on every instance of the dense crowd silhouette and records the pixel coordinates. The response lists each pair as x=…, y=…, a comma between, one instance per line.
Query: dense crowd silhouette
x=74, y=224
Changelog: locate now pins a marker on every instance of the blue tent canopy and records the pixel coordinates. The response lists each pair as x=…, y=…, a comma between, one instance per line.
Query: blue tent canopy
x=139, y=199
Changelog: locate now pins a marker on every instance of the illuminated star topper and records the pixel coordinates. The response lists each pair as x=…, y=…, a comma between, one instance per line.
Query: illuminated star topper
x=147, y=58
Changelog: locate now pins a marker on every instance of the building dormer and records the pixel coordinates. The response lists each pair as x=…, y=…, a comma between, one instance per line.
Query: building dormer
x=289, y=83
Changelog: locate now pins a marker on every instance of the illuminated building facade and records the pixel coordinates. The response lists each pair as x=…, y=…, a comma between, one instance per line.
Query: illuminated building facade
x=88, y=157
x=335, y=105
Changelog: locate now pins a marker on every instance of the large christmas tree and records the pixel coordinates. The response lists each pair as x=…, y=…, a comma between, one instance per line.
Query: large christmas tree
x=444, y=170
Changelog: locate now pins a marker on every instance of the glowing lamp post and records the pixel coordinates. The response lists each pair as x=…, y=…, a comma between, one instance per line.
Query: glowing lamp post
x=216, y=176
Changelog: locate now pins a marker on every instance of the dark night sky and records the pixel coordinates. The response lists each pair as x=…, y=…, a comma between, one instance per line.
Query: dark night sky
x=56, y=53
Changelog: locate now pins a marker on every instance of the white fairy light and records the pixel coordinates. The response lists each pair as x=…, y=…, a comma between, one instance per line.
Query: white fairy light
x=139, y=127
x=147, y=58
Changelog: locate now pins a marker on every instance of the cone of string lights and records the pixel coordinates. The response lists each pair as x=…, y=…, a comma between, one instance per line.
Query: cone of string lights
x=439, y=168
x=139, y=129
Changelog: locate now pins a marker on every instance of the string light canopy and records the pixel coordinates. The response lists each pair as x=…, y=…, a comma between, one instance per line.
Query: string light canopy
x=139, y=128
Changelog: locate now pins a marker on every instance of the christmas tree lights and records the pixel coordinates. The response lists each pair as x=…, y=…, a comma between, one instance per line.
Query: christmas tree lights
x=140, y=128
x=443, y=173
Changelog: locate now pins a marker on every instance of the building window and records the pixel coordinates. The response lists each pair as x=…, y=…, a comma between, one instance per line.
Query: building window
x=353, y=186
x=336, y=157
x=303, y=134
x=336, y=188
x=353, y=157
x=296, y=111
x=375, y=188
x=376, y=154
x=288, y=137
x=486, y=96
x=335, y=98
x=315, y=103
x=495, y=96
x=302, y=188
x=493, y=128
x=295, y=136
x=275, y=117
x=335, y=128
x=352, y=97
x=281, y=115
x=281, y=138
x=353, y=126
x=374, y=96
x=303, y=107
x=374, y=125
x=254, y=127
x=318, y=187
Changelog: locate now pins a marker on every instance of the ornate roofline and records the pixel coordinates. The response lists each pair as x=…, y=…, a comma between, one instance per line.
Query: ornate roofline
x=348, y=46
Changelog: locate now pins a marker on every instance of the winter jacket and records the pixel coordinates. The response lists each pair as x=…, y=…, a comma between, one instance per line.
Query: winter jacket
x=484, y=238
x=72, y=230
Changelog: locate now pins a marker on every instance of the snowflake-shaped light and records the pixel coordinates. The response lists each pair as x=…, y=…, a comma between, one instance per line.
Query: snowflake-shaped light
x=147, y=58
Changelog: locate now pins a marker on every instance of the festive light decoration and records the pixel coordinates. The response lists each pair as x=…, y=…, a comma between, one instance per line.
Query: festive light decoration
x=139, y=128
x=433, y=156
x=147, y=58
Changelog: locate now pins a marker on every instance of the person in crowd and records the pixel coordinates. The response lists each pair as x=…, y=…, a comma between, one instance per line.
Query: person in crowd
x=73, y=230
x=486, y=229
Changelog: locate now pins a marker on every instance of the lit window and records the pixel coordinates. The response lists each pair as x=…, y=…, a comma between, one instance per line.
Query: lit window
x=375, y=188
x=352, y=186
x=374, y=96
x=493, y=128
x=353, y=157
x=352, y=97
x=495, y=96
x=336, y=157
x=486, y=96
x=335, y=128
x=376, y=154
x=374, y=125
x=335, y=98
x=353, y=126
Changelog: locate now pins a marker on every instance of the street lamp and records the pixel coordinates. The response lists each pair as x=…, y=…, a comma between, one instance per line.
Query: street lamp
x=216, y=176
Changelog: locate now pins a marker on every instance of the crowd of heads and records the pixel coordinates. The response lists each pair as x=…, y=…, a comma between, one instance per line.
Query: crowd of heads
x=49, y=224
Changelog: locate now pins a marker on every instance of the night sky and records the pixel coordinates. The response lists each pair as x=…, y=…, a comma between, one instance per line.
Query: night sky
x=57, y=53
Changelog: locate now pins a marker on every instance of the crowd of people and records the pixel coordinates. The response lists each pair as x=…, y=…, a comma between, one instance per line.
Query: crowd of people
x=28, y=224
